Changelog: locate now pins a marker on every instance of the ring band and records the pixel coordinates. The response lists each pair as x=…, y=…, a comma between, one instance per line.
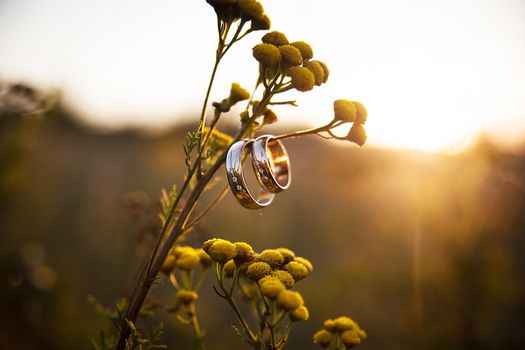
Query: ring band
x=271, y=163
x=236, y=178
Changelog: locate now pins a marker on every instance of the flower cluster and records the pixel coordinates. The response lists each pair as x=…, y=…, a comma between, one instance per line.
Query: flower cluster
x=252, y=11
x=339, y=331
x=266, y=280
x=280, y=59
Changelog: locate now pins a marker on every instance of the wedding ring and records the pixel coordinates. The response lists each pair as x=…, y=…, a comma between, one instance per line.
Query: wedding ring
x=271, y=163
x=237, y=181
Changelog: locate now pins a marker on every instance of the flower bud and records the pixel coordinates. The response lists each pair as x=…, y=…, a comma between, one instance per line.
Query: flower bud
x=169, y=264
x=330, y=325
x=302, y=79
x=186, y=296
x=344, y=110
x=269, y=117
x=275, y=38
x=290, y=55
x=238, y=93
x=229, y=268
x=306, y=49
x=288, y=254
x=362, y=114
x=251, y=9
x=245, y=252
x=222, y=251
x=306, y=263
x=316, y=70
x=263, y=24
x=270, y=286
x=285, y=277
x=357, y=134
x=325, y=70
x=266, y=54
x=272, y=257
x=289, y=300
x=297, y=270
x=350, y=339
x=188, y=260
x=323, y=338
x=300, y=314
x=204, y=258
x=258, y=270
x=207, y=244
x=343, y=323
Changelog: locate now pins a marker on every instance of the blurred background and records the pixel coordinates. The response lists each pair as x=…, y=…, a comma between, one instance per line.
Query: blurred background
x=419, y=235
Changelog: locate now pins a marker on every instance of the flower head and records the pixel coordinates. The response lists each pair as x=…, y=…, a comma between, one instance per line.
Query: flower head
x=270, y=286
x=362, y=114
x=258, y=270
x=244, y=251
x=300, y=314
x=344, y=110
x=305, y=48
x=323, y=338
x=290, y=55
x=186, y=296
x=317, y=71
x=272, y=257
x=306, y=263
x=251, y=9
x=275, y=38
x=297, y=270
x=357, y=134
x=302, y=79
x=222, y=251
x=289, y=300
x=285, y=277
x=266, y=54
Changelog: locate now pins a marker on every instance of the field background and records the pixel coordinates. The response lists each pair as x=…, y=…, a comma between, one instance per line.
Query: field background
x=425, y=251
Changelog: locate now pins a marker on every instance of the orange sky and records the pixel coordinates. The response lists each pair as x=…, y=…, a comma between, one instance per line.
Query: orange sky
x=433, y=74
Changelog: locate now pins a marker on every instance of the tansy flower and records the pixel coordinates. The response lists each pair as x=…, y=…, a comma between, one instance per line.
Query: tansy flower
x=316, y=70
x=306, y=49
x=222, y=251
x=291, y=55
x=270, y=286
x=297, y=270
x=345, y=110
x=285, y=277
x=258, y=270
x=244, y=252
x=275, y=38
x=362, y=114
x=306, y=263
x=300, y=314
x=266, y=54
x=186, y=296
x=302, y=79
x=272, y=257
x=357, y=134
x=289, y=300
x=323, y=338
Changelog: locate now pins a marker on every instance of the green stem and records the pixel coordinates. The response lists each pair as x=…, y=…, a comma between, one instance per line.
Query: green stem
x=192, y=312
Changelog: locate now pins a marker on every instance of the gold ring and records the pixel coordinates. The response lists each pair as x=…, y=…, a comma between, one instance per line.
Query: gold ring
x=271, y=163
x=236, y=179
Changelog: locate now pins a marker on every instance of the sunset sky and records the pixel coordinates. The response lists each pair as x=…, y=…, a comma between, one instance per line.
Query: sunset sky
x=433, y=74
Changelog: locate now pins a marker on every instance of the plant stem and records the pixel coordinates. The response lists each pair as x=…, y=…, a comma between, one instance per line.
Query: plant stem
x=307, y=131
x=192, y=312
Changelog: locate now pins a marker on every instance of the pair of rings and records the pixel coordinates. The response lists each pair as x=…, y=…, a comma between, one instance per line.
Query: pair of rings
x=271, y=166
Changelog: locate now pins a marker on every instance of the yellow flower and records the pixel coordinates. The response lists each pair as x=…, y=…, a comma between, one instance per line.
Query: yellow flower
x=344, y=110
x=285, y=277
x=251, y=9
x=316, y=70
x=244, y=251
x=186, y=296
x=272, y=257
x=288, y=254
x=357, y=134
x=238, y=93
x=258, y=270
x=325, y=70
x=291, y=55
x=269, y=117
x=188, y=260
x=168, y=265
x=229, y=268
x=222, y=251
x=297, y=270
x=306, y=263
x=362, y=114
x=343, y=323
x=204, y=258
x=289, y=300
x=306, y=49
x=302, y=79
x=299, y=314
x=270, y=286
x=323, y=338
x=350, y=339
x=266, y=54
x=330, y=324
x=275, y=38
x=207, y=244
x=263, y=24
